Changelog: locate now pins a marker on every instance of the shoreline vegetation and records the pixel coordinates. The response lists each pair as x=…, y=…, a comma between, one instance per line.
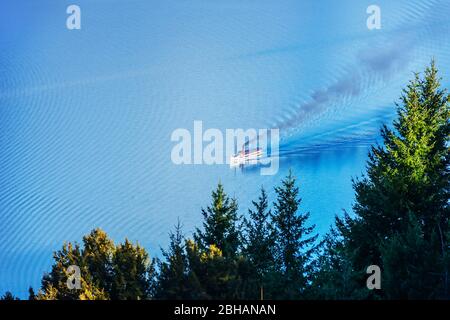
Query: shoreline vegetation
x=400, y=223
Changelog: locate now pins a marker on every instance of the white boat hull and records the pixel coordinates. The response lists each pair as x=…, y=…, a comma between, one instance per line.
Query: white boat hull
x=242, y=159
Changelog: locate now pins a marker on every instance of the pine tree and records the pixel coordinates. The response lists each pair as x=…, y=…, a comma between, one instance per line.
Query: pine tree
x=407, y=263
x=294, y=242
x=31, y=294
x=197, y=275
x=333, y=275
x=133, y=273
x=173, y=282
x=407, y=184
x=97, y=254
x=106, y=271
x=54, y=284
x=259, y=242
x=220, y=225
x=216, y=274
x=8, y=296
x=214, y=253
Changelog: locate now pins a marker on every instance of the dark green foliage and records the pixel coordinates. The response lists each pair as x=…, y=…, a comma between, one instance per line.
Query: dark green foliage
x=8, y=296
x=132, y=272
x=217, y=275
x=402, y=204
x=259, y=249
x=107, y=271
x=409, y=264
x=173, y=279
x=31, y=294
x=294, y=242
x=220, y=225
x=333, y=277
x=213, y=255
x=54, y=284
x=97, y=254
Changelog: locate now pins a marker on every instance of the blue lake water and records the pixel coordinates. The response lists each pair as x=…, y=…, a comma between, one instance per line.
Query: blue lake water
x=86, y=115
